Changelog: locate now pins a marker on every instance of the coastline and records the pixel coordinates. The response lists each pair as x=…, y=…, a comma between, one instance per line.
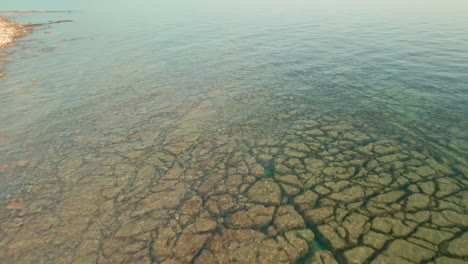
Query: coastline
x=10, y=31
x=32, y=11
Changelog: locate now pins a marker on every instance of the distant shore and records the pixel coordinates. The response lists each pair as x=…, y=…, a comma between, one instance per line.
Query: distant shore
x=32, y=11
x=11, y=30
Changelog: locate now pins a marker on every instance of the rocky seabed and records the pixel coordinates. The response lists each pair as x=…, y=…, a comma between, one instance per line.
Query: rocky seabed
x=329, y=191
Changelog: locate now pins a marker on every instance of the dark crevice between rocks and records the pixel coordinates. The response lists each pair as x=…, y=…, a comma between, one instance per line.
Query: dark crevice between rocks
x=269, y=168
x=314, y=246
x=319, y=243
x=387, y=243
x=431, y=260
x=200, y=251
x=378, y=252
x=152, y=257
x=443, y=247
x=264, y=229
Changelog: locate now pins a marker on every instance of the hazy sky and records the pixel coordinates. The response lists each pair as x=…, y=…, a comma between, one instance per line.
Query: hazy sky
x=442, y=5
x=428, y=8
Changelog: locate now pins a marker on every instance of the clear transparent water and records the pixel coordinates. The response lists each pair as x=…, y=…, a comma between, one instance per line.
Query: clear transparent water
x=120, y=84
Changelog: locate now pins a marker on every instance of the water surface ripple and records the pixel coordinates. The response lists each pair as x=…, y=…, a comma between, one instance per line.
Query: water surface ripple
x=259, y=133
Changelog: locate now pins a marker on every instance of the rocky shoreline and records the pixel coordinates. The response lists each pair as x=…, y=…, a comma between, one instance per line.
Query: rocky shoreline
x=9, y=31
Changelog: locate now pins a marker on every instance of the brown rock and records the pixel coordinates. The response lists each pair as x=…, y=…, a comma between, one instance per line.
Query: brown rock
x=175, y=173
x=393, y=226
x=306, y=234
x=401, y=251
x=340, y=172
x=192, y=206
x=249, y=179
x=319, y=216
x=348, y=195
x=298, y=146
x=289, y=190
x=287, y=219
x=447, y=260
x=145, y=175
x=332, y=236
x=356, y=224
x=418, y=201
x=205, y=257
x=265, y=192
x=314, y=132
x=166, y=199
x=389, y=197
x=294, y=163
x=320, y=189
x=458, y=247
x=449, y=218
x=294, y=246
x=380, y=149
x=427, y=187
x=202, y=225
x=254, y=217
x=271, y=252
x=271, y=231
x=258, y=171
x=297, y=241
x=358, y=255
x=425, y=171
x=240, y=245
x=313, y=164
x=87, y=247
x=234, y=180
x=282, y=169
x=15, y=206
x=221, y=204
x=419, y=217
x=291, y=180
x=322, y=257
x=294, y=153
x=23, y=163
x=375, y=240
x=137, y=227
x=432, y=235
x=447, y=186
x=307, y=199
x=188, y=245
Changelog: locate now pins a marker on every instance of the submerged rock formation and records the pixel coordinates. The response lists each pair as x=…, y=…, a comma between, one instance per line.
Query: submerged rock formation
x=346, y=193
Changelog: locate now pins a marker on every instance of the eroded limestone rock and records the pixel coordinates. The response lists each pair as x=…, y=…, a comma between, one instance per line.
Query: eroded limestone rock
x=287, y=218
x=323, y=257
x=457, y=247
x=256, y=216
x=265, y=192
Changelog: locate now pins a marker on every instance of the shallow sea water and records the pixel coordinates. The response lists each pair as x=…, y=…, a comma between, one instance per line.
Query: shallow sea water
x=262, y=132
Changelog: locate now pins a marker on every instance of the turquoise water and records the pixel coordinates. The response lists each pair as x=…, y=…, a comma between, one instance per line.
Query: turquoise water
x=120, y=84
